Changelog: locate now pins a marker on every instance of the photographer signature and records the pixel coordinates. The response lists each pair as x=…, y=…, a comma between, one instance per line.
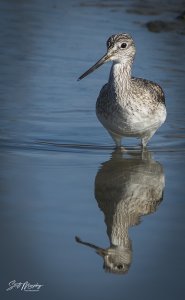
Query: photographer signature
x=24, y=286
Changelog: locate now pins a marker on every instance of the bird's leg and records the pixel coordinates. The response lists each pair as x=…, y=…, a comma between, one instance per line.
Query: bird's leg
x=145, y=154
x=116, y=138
x=146, y=138
x=144, y=141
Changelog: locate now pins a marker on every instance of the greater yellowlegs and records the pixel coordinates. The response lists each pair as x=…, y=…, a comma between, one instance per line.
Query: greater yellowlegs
x=127, y=106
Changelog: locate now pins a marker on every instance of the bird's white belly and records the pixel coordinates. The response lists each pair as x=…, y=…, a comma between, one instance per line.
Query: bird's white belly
x=132, y=121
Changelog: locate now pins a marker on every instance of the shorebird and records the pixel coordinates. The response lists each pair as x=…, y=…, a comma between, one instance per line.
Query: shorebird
x=127, y=106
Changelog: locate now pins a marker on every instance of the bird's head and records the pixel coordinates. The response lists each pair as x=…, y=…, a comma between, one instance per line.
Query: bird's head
x=120, y=49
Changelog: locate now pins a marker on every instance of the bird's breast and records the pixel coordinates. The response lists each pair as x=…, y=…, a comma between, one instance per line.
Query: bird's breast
x=128, y=116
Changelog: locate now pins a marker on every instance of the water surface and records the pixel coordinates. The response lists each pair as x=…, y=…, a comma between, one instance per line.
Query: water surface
x=60, y=176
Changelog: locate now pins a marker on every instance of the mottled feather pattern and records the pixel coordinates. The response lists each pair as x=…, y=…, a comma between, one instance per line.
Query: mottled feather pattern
x=116, y=38
x=126, y=105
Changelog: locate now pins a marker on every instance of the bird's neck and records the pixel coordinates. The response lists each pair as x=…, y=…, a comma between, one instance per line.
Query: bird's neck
x=120, y=78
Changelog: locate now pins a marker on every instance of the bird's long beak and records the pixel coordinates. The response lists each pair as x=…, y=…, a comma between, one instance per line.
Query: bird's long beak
x=99, y=250
x=99, y=63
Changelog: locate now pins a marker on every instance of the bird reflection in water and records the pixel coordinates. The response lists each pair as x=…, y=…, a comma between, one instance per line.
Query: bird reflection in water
x=126, y=188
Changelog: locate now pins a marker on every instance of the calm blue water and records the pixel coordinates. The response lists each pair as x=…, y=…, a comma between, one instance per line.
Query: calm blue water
x=60, y=176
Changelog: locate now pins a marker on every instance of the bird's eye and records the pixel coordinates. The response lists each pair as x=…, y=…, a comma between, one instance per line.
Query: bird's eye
x=120, y=267
x=123, y=45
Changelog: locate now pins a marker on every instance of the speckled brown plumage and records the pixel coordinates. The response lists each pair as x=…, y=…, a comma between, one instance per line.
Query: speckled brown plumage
x=128, y=106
